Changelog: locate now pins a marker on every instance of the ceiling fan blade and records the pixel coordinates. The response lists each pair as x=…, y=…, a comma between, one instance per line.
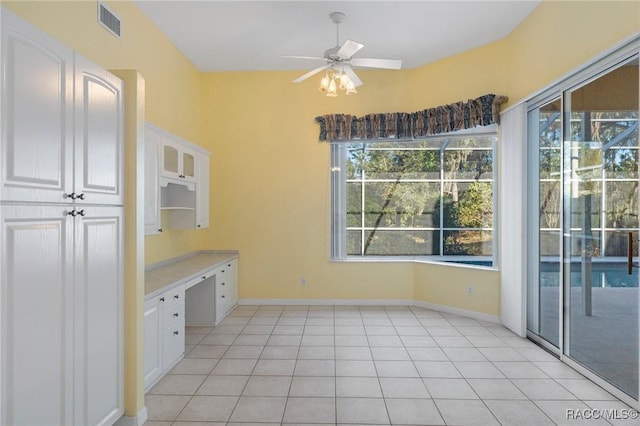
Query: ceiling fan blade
x=304, y=57
x=310, y=73
x=392, y=64
x=348, y=49
x=352, y=75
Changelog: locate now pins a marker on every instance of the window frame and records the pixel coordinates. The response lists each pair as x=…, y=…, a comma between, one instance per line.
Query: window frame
x=338, y=204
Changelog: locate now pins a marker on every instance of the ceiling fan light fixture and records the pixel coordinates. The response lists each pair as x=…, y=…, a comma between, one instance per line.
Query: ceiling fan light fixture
x=332, y=92
x=324, y=83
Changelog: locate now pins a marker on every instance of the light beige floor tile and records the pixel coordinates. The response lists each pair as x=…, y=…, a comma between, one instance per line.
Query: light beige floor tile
x=284, y=340
x=223, y=385
x=474, y=331
x=543, y=389
x=194, y=366
x=274, y=367
x=558, y=370
x=427, y=354
x=259, y=409
x=193, y=338
x=228, y=329
x=207, y=351
x=219, y=339
x=413, y=412
x=267, y=386
x=518, y=413
x=246, y=352
x=586, y=390
x=312, y=319
x=348, y=321
x=351, y=341
x=178, y=384
x=355, y=368
x=496, y=389
x=444, y=331
x=362, y=353
x=358, y=387
x=251, y=339
x=313, y=367
x=464, y=354
x=197, y=329
x=502, y=354
x=316, y=410
x=380, y=330
x=387, y=341
x=257, y=329
x=349, y=330
x=313, y=387
x=390, y=354
x=465, y=412
x=403, y=387
x=418, y=341
x=315, y=340
x=234, y=367
x=437, y=369
x=288, y=329
x=316, y=352
x=208, y=408
x=520, y=370
x=362, y=410
x=279, y=352
x=452, y=342
x=396, y=369
x=478, y=370
x=292, y=321
x=319, y=330
x=450, y=388
x=165, y=407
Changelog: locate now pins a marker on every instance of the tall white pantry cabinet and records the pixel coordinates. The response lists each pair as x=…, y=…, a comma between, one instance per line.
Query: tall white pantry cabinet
x=61, y=234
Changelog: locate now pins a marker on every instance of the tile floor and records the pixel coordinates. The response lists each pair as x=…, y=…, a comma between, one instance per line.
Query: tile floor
x=373, y=365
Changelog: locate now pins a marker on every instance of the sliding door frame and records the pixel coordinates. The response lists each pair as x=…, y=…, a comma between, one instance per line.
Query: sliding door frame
x=608, y=60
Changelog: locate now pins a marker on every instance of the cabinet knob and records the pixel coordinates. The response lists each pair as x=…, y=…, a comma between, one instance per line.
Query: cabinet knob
x=176, y=297
x=160, y=230
x=229, y=265
x=223, y=271
x=176, y=315
x=82, y=213
x=199, y=226
x=222, y=283
x=162, y=299
x=73, y=213
x=204, y=278
x=81, y=196
x=223, y=296
x=176, y=332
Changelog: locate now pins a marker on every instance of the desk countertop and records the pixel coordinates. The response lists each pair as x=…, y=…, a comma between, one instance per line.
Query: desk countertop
x=164, y=275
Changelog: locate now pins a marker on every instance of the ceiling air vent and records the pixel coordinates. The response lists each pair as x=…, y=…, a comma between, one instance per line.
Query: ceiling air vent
x=108, y=19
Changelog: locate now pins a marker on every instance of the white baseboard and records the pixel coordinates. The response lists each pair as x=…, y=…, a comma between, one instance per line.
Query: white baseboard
x=330, y=302
x=137, y=420
x=457, y=311
x=374, y=302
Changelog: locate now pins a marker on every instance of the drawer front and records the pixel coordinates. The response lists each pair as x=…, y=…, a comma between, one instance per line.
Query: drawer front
x=172, y=343
x=172, y=313
x=175, y=295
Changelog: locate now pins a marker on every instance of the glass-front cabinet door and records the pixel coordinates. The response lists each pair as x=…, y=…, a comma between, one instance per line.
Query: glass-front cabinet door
x=582, y=286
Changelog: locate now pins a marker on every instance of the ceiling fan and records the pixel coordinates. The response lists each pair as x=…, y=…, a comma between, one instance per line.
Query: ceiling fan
x=339, y=63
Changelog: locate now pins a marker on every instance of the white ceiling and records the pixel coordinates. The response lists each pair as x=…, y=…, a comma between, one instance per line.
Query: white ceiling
x=253, y=35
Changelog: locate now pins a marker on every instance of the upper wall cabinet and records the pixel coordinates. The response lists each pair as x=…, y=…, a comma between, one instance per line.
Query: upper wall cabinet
x=39, y=146
x=176, y=180
x=178, y=161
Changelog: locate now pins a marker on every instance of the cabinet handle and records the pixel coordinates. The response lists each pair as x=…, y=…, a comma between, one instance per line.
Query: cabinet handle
x=176, y=332
x=222, y=283
x=73, y=195
x=176, y=315
x=176, y=297
x=160, y=230
x=199, y=226
x=73, y=213
x=82, y=213
x=81, y=196
x=223, y=271
x=204, y=278
x=229, y=265
x=162, y=299
x=223, y=296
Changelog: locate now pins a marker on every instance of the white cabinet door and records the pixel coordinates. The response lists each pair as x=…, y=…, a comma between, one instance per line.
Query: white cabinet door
x=171, y=164
x=99, y=313
x=202, y=192
x=36, y=92
x=152, y=341
x=37, y=314
x=152, y=218
x=99, y=143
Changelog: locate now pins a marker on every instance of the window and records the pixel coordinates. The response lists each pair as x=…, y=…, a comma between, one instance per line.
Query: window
x=425, y=198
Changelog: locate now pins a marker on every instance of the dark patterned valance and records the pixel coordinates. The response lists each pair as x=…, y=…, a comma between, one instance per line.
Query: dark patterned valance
x=481, y=111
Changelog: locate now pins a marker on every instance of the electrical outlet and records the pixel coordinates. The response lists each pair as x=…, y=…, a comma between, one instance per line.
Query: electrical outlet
x=303, y=281
x=470, y=289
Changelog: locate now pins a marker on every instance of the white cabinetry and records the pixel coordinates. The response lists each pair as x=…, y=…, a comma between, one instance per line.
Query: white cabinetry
x=163, y=333
x=152, y=220
x=226, y=278
x=152, y=341
x=178, y=161
x=61, y=276
x=176, y=181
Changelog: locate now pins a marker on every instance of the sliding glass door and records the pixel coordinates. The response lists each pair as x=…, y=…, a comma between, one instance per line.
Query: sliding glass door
x=582, y=289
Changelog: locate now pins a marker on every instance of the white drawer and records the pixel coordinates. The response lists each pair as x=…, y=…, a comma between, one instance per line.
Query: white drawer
x=172, y=313
x=172, y=343
x=172, y=296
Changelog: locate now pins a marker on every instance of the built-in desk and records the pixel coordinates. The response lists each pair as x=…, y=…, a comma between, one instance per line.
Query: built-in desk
x=198, y=289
